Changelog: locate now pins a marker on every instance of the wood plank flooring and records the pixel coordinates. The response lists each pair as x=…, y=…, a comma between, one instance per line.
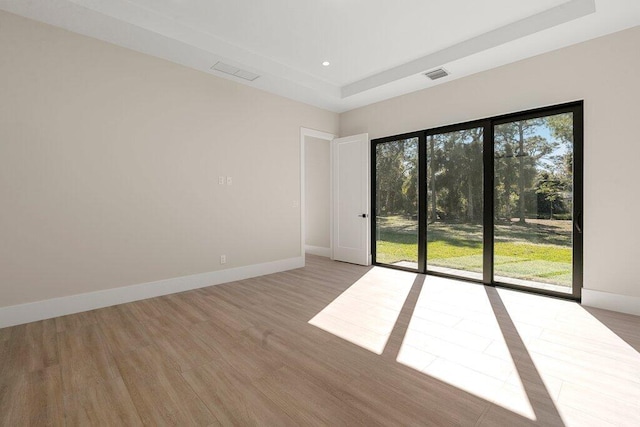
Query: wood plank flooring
x=329, y=344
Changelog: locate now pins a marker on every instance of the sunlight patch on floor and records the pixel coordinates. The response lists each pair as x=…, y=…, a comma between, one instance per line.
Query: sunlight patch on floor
x=452, y=327
x=366, y=312
x=529, y=354
x=594, y=375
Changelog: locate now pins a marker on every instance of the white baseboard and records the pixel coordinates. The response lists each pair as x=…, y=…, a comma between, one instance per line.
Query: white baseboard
x=609, y=301
x=318, y=250
x=33, y=311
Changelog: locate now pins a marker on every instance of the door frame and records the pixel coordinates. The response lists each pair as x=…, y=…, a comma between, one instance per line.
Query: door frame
x=325, y=136
x=422, y=199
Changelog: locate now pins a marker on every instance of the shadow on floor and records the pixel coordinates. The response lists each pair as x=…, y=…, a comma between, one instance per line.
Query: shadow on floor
x=537, y=393
x=623, y=325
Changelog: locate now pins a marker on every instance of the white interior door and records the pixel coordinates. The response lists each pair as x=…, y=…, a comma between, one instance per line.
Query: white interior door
x=350, y=176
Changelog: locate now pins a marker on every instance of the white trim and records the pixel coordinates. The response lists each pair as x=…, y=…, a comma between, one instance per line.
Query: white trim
x=331, y=199
x=306, y=132
x=608, y=301
x=318, y=250
x=316, y=134
x=31, y=312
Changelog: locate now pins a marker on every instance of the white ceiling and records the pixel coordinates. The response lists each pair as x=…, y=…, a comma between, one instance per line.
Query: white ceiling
x=377, y=48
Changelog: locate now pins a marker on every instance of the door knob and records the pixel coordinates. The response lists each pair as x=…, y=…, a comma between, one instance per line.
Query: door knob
x=363, y=215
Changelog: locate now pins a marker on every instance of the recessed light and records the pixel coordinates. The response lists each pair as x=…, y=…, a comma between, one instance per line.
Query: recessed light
x=326, y=63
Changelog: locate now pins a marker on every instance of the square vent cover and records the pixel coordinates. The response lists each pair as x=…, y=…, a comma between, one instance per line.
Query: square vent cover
x=437, y=74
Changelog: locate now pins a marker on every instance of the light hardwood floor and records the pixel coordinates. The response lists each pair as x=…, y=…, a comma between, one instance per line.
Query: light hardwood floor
x=329, y=344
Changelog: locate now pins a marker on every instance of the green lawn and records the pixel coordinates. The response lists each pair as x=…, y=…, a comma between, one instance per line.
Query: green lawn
x=539, y=250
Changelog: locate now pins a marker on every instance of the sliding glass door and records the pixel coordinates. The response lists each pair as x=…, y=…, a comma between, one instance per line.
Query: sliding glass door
x=454, y=202
x=396, y=202
x=534, y=202
x=497, y=201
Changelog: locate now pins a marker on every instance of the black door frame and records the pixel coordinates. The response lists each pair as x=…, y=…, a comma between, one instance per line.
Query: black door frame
x=422, y=215
x=488, y=124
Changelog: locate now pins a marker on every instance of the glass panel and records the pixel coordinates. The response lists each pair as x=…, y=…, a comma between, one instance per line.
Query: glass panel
x=534, y=202
x=397, y=203
x=454, y=203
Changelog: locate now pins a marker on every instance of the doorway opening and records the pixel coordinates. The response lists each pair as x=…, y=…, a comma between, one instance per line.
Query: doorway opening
x=315, y=193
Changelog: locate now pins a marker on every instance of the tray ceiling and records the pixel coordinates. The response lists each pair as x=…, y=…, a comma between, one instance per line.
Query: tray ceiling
x=377, y=49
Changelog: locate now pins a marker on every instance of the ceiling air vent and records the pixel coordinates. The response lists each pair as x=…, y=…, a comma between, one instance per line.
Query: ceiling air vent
x=437, y=74
x=234, y=71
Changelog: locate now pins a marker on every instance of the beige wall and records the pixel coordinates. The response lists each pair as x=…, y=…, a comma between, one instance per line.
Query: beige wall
x=603, y=72
x=109, y=165
x=317, y=192
x=109, y=159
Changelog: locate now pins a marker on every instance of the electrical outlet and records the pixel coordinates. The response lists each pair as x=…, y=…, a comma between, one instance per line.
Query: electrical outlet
x=221, y=180
x=229, y=180
x=223, y=259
